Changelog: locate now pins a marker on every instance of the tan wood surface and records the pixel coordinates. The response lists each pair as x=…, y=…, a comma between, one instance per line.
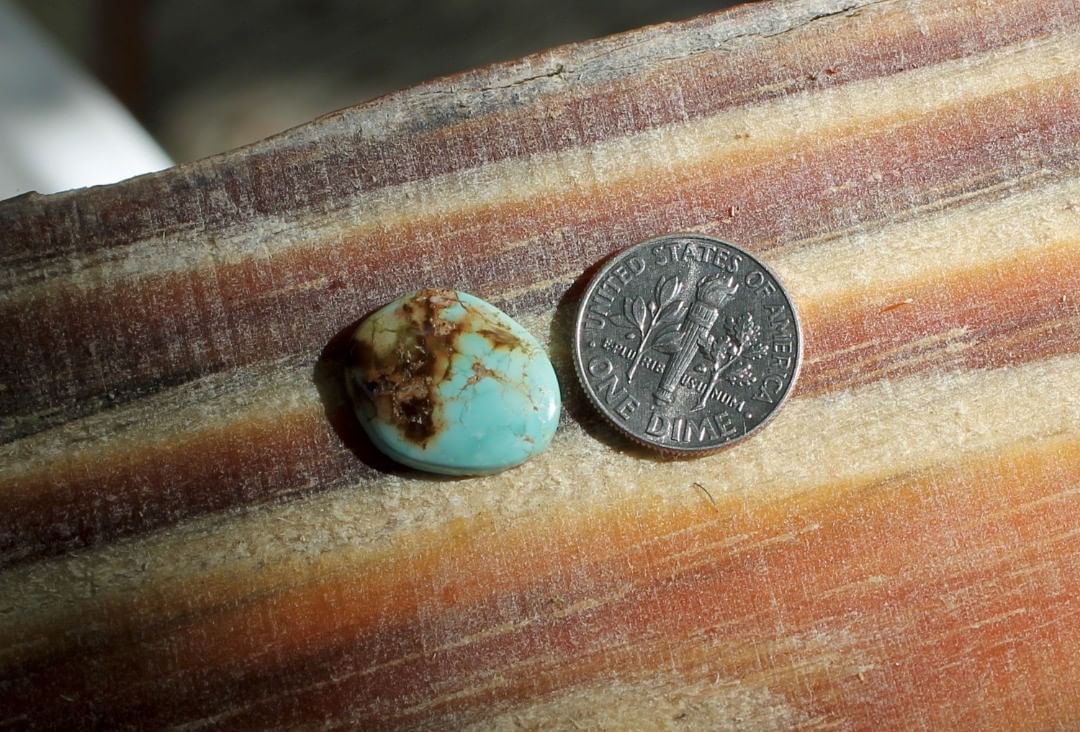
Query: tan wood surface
x=192, y=532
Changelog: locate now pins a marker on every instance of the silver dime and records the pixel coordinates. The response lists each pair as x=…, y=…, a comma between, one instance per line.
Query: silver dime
x=687, y=343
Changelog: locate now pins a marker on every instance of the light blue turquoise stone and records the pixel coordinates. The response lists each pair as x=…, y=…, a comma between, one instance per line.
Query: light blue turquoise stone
x=445, y=382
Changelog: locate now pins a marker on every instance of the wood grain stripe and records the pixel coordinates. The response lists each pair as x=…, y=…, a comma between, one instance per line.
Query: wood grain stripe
x=797, y=49
x=736, y=139
x=280, y=447
x=698, y=570
x=301, y=562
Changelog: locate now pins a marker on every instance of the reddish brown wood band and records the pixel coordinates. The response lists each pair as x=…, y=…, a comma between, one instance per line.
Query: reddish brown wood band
x=702, y=612
x=265, y=180
x=192, y=534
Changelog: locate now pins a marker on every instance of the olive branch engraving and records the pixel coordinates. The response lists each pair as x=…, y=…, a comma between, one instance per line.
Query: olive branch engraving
x=657, y=320
x=740, y=346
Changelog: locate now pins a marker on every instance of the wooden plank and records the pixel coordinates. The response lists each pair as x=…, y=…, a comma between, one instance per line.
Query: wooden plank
x=193, y=533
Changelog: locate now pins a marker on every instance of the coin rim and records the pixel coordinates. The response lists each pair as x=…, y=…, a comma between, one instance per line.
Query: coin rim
x=587, y=388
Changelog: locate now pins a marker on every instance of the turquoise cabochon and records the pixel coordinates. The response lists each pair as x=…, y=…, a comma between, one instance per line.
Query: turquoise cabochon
x=448, y=383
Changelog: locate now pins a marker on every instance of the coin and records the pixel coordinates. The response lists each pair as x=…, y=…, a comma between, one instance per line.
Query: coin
x=687, y=343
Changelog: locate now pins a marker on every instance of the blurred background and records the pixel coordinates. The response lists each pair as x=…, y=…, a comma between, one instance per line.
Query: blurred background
x=205, y=76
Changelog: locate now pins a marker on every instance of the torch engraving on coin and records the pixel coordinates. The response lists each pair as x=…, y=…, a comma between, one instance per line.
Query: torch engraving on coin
x=687, y=343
